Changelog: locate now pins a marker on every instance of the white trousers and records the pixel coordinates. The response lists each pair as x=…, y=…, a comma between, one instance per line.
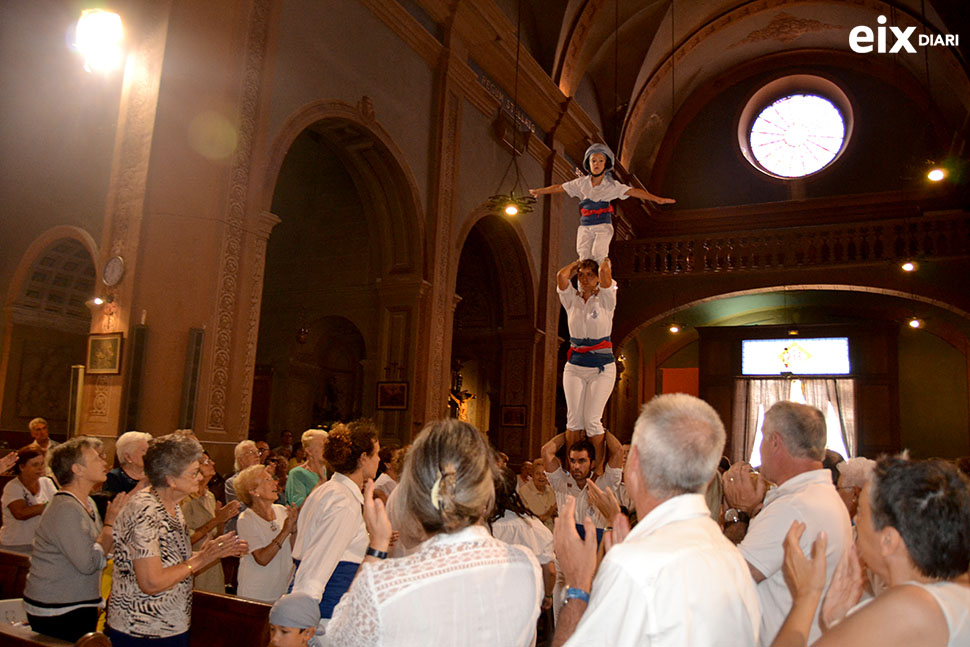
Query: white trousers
x=587, y=391
x=593, y=241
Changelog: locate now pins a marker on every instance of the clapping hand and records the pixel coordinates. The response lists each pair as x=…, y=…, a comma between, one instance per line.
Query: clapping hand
x=577, y=557
x=804, y=576
x=375, y=519
x=621, y=528
x=292, y=513
x=743, y=488
x=8, y=461
x=603, y=500
x=227, y=545
x=844, y=591
x=227, y=512
x=114, y=507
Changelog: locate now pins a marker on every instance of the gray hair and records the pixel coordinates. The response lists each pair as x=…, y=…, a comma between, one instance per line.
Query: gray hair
x=800, y=426
x=168, y=456
x=239, y=450
x=856, y=472
x=447, y=480
x=36, y=422
x=679, y=440
x=66, y=455
x=127, y=441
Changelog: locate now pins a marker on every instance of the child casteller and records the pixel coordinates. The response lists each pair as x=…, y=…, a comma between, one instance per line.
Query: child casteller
x=596, y=191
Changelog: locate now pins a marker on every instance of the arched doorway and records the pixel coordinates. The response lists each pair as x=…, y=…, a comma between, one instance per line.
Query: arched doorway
x=342, y=280
x=493, y=344
x=46, y=327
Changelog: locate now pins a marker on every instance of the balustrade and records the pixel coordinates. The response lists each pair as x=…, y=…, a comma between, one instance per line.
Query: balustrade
x=874, y=242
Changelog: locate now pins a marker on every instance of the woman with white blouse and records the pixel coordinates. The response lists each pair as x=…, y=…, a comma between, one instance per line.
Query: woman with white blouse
x=332, y=539
x=268, y=529
x=24, y=499
x=590, y=371
x=461, y=586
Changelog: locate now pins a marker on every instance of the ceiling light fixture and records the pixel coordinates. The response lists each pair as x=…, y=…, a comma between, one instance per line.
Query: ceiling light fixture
x=510, y=203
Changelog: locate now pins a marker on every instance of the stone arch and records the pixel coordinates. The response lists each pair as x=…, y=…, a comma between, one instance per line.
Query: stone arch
x=392, y=187
x=902, y=294
x=494, y=342
x=363, y=233
x=46, y=322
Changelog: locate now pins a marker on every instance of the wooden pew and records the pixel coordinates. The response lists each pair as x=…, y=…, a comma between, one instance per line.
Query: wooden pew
x=13, y=574
x=216, y=619
x=228, y=620
x=15, y=636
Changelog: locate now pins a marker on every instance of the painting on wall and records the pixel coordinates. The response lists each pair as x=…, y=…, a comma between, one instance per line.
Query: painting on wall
x=392, y=395
x=513, y=416
x=104, y=353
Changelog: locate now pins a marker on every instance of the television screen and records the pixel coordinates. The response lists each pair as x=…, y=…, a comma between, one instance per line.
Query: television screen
x=817, y=356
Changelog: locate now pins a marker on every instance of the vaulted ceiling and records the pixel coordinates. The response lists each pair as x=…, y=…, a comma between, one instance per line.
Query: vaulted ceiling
x=635, y=65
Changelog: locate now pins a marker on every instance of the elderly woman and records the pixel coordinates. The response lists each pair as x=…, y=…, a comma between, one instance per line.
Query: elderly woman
x=151, y=593
x=332, y=539
x=303, y=478
x=207, y=519
x=268, y=529
x=853, y=475
x=130, y=451
x=63, y=592
x=590, y=371
x=24, y=499
x=914, y=533
x=462, y=586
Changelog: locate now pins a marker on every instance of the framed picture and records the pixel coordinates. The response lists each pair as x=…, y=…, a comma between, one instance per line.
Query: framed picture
x=392, y=395
x=104, y=353
x=513, y=416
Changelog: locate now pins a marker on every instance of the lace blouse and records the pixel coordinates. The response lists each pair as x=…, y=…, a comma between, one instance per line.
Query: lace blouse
x=465, y=588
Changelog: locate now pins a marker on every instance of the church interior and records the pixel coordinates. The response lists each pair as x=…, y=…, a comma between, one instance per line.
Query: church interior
x=277, y=214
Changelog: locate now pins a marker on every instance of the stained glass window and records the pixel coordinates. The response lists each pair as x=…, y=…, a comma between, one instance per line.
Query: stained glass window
x=797, y=135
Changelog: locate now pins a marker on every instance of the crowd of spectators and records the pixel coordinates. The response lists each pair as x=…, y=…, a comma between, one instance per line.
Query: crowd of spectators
x=441, y=543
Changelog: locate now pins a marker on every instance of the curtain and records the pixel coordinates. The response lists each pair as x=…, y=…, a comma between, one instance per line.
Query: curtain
x=753, y=397
x=757, y=397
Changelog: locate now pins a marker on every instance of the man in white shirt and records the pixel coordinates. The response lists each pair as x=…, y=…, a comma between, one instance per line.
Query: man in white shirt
x=581, y=457
x=674, y=580
x=792, y=450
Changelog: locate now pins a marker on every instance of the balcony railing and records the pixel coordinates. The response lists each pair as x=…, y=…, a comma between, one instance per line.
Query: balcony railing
x=944, y=235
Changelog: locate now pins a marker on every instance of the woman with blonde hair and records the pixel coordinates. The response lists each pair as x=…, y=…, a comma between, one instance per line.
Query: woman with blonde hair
x=461, y=586
x=268, y=529
x=303, y=478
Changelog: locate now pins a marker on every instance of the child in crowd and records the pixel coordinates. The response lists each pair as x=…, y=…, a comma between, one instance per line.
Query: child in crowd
x=596, y=191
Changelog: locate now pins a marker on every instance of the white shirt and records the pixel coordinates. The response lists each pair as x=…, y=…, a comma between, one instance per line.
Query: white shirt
x=810, y=498
x=465, y=588
x=264, y=583
x=15, y=532
x=590, y=319
x=954, y=601
x=385, y=484
x=674, y=581
x=563, y=484
x=606, y=191
x=527, y=532
x=331, y=530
